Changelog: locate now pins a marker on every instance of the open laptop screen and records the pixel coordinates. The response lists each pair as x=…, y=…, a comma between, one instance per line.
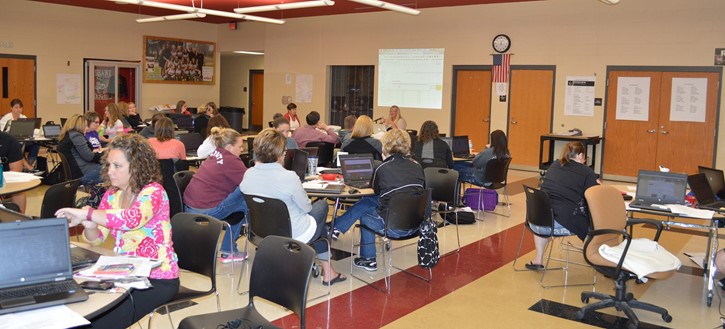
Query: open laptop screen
x=357, y=167
x=715, y=178
x=37, y=249
x=51, y=131
x=661, y=187
x=460, y=145
x=22, y=128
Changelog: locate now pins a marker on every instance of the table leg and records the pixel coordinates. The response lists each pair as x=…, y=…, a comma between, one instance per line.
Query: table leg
x=713, y=236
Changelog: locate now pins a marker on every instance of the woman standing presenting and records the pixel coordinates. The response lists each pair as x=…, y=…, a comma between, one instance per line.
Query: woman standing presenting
x=135, y=212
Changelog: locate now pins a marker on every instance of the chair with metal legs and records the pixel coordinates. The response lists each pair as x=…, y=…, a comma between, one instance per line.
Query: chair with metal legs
x=443, y=183
x=539, y=213
x=495, y=178
x=406, y=211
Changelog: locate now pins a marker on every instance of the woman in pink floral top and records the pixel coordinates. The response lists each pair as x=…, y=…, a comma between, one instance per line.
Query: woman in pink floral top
x=135, y=211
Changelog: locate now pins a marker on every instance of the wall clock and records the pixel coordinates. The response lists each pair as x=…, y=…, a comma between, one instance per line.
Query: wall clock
x=501, y=43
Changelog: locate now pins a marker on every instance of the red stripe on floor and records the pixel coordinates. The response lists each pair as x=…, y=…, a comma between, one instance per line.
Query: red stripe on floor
x=369, y=308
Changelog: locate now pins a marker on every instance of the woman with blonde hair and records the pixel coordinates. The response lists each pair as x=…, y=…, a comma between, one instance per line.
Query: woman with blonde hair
x=214, y=189
x=83, y=161
x=164, y=144
x=112, y=125
x=395, y=119
x=360, y=140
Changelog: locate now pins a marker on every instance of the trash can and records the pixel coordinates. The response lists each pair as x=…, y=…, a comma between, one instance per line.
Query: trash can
x=234, y=115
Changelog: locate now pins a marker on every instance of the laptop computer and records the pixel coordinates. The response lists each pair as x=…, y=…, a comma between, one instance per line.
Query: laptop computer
x=459, y=147
x=296, y=160
x=701, y=189
x=9, y=216
x=41, y=274
x=51, y=131
x=656, y=188
x=191, y=142
x=37, y=122
x=22, y=129
x=357, y=170
x=81, y=257
x=183, y=121
x=716, y=179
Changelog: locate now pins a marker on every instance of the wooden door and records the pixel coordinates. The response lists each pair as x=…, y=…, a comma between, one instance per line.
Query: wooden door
x=683, y=145
x=531, y=104
x=678, y=145
x=256, y=100
x=472, y=112
x=17, y=80
x=630, y=144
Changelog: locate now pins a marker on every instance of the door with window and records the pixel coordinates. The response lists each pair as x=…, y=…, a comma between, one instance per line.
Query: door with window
x=111, y=82
x=17, y=80
x=667, y=134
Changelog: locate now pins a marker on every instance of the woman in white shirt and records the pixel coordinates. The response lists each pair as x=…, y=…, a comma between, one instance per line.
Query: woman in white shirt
x=394, y=119
x=112, y=124
x=208, y=145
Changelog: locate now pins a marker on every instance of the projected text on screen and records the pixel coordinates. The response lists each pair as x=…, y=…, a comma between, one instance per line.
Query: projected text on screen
x=411, y=77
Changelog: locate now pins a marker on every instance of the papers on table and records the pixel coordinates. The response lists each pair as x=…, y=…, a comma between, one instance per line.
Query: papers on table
x=690, y=212
x=697, y=257
x=141, y=267
x=18, y=177
x=55, y=317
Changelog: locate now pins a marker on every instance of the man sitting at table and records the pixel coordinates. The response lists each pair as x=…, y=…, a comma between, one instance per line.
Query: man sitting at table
x=397, y=173
x=314, y=131
x=12, y=160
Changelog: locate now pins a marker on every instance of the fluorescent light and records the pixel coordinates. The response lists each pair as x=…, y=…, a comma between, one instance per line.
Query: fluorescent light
x=389, y=6
x=248, y=52
x=610, y=2
x=171, y=18
x=283, y=6
x=188, y=9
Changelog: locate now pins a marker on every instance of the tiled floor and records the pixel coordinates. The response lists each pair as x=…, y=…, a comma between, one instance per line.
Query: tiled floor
x=476, y=288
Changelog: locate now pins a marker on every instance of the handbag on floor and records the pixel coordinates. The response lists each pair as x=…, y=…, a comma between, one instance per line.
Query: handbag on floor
x=428, y=253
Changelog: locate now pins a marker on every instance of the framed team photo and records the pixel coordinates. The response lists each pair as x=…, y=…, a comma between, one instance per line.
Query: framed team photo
x=167, y=60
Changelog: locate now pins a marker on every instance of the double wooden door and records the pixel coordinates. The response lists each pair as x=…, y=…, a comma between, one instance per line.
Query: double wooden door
x=631, y=145
x=17, y=80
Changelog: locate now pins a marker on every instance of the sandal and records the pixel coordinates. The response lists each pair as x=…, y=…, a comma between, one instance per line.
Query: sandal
x=338, y=278
x=534, y=267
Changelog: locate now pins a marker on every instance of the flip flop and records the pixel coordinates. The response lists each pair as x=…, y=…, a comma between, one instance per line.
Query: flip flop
x=534, y=267
x=338, y=278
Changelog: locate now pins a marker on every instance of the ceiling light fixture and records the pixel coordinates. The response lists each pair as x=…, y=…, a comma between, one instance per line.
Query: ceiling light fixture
x=192, y=10
x=283, y=6
x=389, y=6
x=248, y=52
x=171, y=18
x=610, y=2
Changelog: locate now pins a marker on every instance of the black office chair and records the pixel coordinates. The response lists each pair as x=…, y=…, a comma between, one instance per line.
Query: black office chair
x=325, y=153
x=65, y=163
x=280, y=274
x=167, y=173
x=609, y=227
x=250, y=146
x=269, y=216
x=406, y=211
x=181, y=180
x=496, y=177
x=540, y=213
x=196, y=239
x=443, y=183
x=61, y=195
x=431, y=163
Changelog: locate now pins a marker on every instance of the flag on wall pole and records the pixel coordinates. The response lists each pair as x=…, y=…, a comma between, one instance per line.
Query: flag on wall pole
x=500, y=72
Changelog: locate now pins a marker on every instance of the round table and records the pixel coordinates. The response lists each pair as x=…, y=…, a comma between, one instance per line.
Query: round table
x=17, y=187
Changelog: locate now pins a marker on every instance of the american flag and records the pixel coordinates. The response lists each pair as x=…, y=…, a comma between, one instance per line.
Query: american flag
x=501, y=65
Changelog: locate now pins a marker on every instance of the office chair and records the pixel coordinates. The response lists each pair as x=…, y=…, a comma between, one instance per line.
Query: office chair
x=406, y=211
x=609, y=224
x=280, y=274
x=540, y=213
x=176, y=204
x=443, y=183
x=360, y=146
x=325, y=153
x=496, y=177
x=196, y=239
x=61, y=195
x=181, y=180
x=267, y=217
x=431, y=163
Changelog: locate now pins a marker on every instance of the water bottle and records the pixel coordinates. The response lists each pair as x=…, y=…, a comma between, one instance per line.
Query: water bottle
x=2, y=176
x=470, y=146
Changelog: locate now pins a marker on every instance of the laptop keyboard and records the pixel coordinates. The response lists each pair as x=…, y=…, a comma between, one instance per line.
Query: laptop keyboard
x=39, y=290
x=358, y=184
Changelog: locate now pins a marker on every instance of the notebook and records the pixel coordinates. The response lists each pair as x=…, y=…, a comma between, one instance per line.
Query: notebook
x=39, y=252
x=22, y=129
x=357, y=170
x=191, y=142
x=701, y=189
x=318, y=186
x=716, y=179
x=51, y=131
x=459, y=147
x=655, y=189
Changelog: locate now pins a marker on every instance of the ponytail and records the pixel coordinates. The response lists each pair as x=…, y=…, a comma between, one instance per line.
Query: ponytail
x=570, y=151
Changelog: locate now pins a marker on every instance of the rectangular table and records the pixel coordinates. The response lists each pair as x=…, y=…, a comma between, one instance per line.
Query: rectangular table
x=552, y=138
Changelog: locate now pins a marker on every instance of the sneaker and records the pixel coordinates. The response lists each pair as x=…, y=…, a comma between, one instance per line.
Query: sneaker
x=368, y=264
x=335, y=234
x=237, y=256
